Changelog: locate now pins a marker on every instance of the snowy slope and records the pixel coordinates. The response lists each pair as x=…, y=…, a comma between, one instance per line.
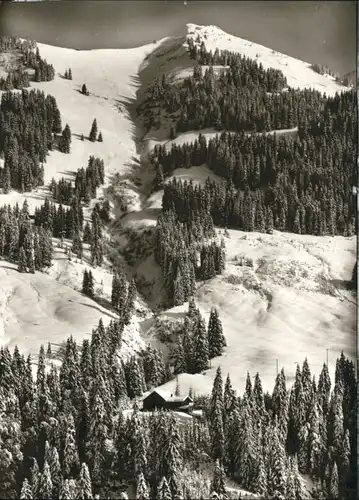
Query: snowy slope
x=298, y=73
x=109, y=76
x=292, y=304
x=42, y=305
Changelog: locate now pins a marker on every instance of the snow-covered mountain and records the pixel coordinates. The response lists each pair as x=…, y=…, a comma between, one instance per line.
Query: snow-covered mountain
x=286, y=307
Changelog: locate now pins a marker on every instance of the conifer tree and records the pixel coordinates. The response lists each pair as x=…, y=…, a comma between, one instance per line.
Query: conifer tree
x=159, y=180
x=21, y=267
x=34, y=478
x=130, y=302
x=96, y=242
x=163, y=490
x=65, y=140
x=45, y=483
x=68, y=490
x=71, y=464
x=218, y=481
x=85, y=282
x=87, y=233
x=260, y=479
x=179, y=361
x=142, y=490
x=280, y=404
x=333, y=490
x=200, y=346
x=216, y=417
x=6, y=180
x=354, y=279
x=216, y=340
x=84, y=488
x=55, y=470
x=26, y=491
x=100, y=138
x=84, y=90
x=276, y=472
x=93, y=131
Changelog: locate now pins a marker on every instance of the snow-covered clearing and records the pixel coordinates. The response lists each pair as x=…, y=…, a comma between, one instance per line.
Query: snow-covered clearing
x=292, y=304
x=39, y=308
x=36, y=309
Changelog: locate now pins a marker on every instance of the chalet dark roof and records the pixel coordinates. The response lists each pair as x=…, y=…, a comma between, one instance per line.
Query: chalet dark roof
x=170, y=398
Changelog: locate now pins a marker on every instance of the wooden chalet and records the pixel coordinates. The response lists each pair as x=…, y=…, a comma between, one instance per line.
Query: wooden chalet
x=160, y=401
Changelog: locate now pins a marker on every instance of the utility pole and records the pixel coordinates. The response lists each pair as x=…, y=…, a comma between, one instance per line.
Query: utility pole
x=276, y=367
x=327, y=358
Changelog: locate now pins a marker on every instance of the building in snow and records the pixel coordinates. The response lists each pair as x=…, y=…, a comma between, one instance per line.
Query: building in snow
x=160, y=401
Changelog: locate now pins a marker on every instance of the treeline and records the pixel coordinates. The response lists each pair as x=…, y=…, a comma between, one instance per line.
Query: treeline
x=20, y=243
x=29, y=122
x=68, y=223
x=44, y=72
x=14, y=43
x=241, y=96
x=246, y=71
x=268, y=178
x=87, y=180
x=18, y=79
x=196, y=345
x=207, y=99
x=28, y=58
x=184, y=248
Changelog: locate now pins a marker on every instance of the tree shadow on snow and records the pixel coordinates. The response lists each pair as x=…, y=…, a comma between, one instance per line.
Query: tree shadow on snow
x=110, y=315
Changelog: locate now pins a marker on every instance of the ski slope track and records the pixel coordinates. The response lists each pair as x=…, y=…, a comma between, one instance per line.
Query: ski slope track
x=290, y=305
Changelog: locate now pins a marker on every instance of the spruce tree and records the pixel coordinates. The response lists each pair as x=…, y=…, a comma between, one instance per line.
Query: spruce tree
x=21, y=267
x=159, y=181
x=130, y=302
x=26, y=491
x=142, y=490
x=200, y=346
x=216, y=417
x=45, y=484
x=276, y=471
x=354, y=280
x=100, y=138
x=218, y=481
x=6, y=181
x=84, y=487
x=87, y=233
x=77, y=248
x=163, y=490
x=84, y=90
x=93, y=131
x=216, y=340
x=65, y=140
x=85, y=283
x=333, y=490
x=179, y=361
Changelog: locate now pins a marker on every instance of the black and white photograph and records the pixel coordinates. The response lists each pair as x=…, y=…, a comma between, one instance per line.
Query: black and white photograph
x=178, y=250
